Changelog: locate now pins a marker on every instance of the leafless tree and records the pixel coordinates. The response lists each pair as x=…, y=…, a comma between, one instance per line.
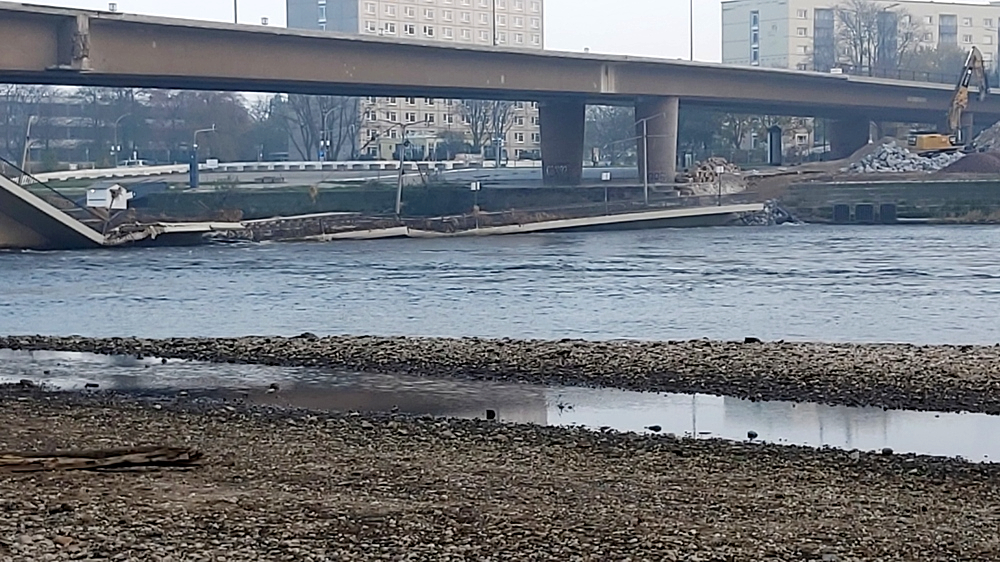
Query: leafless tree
x=17, y=104
x=477, y=116
x=307, y=116
x=872, y=37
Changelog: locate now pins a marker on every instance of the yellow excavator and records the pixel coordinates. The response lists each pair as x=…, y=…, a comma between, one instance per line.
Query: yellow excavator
x=931, y=142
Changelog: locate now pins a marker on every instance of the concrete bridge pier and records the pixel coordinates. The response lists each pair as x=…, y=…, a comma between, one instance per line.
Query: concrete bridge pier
x=562, y=128
x=657, y=122
x=848, y=135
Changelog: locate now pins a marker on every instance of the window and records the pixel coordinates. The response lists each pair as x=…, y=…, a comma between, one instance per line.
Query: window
x=410, y=116
x=484, y=3
x=428, y=13
x=501, y=4
x=390, y=10
x=502, y=37
x=536, y=138
x=411, y=101
x=519, y=39
x=802, y=49
x=967, y=22
x=519, y=120
x=372, y=134
x=429, y=101
x=755, y=38
x=409, y=12
x=754, y=20
x=802, y=66
x=755, y=56
x=929, y=37
x=429, y=118
x=391, y=116
x=502, y=20
x=370, y=8
x=466, y=17
x=536, y=7
x=802, y=32
x=466, y=34
x=966, y=39
x=322, y=13
x=390, y=28
x=390, y=101
x=448, y=33
x=987, y=39
x=988, y=22
x=371, y=26
x=536, y=23
x=484, y=35
x=447, y=15
x=519, y=5
x=535, y=120
x=802, y=14
x=519, y=138
x=928, y=19
x=410, y=29
x=536, y=39
x=428, y=31
x=484, y=18
x=393, y=133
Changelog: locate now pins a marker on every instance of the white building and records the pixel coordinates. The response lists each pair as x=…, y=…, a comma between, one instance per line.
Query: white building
x=801, y=34
x=508, y=23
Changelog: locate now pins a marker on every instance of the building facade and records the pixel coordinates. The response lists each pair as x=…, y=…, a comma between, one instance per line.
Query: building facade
x=802, y=34
x=429, y=122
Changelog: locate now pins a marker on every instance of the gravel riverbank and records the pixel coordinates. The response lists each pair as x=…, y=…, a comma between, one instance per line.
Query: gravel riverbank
x=942, y=378
x=287, y=485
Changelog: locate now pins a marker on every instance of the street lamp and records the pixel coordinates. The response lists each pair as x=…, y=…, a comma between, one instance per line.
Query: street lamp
x=404, y=130
x=193, y=171
x=236, y=11
x=645, y=153
x=27, y=142
x=324, y=141
x=115, y=147
x=691, y=23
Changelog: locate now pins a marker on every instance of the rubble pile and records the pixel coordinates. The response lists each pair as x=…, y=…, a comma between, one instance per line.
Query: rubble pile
x=976, y=163
x=989, y=139
x=892, y=158
x=704, y=172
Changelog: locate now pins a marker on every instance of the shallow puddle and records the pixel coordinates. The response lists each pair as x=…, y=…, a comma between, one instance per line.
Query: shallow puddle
x=945, y=434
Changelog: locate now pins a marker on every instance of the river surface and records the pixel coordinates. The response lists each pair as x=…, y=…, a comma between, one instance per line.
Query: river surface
x=916, y=284
x=971, y=436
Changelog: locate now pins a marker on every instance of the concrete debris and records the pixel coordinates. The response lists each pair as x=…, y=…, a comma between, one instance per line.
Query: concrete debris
x=989, y=138
x=772, y=215
x=894, y=159
x=704, y=172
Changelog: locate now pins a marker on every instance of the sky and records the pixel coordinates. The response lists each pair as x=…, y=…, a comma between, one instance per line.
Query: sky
x=654, y=28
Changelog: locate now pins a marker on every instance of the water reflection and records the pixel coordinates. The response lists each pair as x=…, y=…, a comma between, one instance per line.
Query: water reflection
x=945, y=434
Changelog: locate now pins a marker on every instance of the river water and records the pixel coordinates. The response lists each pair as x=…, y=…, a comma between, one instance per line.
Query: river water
x=916, y=284
x=971, y=436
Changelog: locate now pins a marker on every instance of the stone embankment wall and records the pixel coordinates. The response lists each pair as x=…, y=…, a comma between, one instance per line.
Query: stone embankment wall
x=934, y=198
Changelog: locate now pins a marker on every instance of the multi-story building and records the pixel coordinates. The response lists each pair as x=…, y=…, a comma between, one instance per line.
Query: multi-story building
x=802, y=34
x=510, y=23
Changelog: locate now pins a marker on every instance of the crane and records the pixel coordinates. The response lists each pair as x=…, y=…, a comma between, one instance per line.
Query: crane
x=930, y=142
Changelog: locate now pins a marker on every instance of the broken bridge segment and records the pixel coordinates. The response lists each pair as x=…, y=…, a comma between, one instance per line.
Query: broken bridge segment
x=29, y=222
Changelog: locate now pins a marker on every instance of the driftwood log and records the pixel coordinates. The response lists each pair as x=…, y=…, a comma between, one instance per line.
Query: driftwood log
x=100, y=459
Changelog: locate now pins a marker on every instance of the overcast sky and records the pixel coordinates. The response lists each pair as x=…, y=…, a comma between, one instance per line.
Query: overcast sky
x=656, y=28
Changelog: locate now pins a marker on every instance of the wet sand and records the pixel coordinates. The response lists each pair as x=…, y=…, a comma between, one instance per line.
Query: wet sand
x=897, y=376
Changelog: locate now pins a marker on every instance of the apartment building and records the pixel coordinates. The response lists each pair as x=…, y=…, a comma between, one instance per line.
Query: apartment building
x=801, y=34
x=508, y=23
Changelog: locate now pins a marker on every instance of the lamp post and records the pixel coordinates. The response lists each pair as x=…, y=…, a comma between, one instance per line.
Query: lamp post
x=691, y=24
x=193, y=171
x=324, y=142
x=236, y=11
x=115, y=147
x=645, y=154
x=27, y=143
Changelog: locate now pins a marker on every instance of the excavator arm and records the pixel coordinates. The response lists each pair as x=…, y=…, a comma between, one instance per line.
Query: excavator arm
x=975, y=68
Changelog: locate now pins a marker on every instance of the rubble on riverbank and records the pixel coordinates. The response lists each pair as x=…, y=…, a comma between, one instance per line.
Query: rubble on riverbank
x=892, y=158
x=290, y=485
x=899, y=376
